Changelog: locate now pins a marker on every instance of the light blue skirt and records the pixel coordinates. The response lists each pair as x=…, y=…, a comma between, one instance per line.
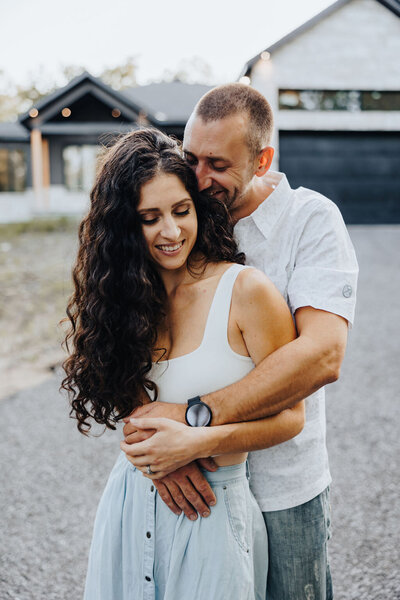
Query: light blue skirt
x=142, y=551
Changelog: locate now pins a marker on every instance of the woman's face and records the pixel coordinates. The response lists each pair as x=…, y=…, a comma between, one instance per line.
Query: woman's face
x=169, y=221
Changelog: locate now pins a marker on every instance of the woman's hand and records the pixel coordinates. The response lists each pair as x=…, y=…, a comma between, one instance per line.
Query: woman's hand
x=170, y=446
x=159, y=409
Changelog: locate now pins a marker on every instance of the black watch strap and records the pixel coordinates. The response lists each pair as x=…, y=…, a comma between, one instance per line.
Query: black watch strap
x=198, y=413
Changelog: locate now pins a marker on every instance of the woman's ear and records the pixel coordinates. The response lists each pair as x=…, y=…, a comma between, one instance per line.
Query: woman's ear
x=264, y=160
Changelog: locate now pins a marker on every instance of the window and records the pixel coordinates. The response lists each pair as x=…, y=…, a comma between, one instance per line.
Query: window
x=80, y=166
x=349, y=100
x=12, y=170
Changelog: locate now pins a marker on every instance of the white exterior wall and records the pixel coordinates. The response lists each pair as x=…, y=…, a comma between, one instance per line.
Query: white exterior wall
x=16, y=206
x=23, y=206
x=357, y=47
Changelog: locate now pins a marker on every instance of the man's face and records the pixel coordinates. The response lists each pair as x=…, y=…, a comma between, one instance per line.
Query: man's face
x=218, y=153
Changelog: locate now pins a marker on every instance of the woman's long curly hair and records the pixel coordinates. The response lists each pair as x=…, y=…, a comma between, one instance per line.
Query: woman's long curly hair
x=119, y=298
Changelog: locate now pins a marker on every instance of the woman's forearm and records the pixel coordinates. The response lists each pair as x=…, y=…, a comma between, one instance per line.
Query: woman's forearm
x=173, y=444
x=250, y=435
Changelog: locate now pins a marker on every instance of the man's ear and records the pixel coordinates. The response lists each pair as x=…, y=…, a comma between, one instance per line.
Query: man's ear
x=264, y=161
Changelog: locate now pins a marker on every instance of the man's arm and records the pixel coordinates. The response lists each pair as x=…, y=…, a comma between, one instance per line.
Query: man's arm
x=289, y=374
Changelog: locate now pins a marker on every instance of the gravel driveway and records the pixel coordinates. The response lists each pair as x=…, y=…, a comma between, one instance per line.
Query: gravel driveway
x=51, y=476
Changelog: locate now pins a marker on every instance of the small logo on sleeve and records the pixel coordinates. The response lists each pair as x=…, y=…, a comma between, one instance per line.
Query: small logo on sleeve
x=347, y=291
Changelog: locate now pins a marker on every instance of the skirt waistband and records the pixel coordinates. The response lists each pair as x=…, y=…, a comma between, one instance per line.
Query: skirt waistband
x=222, y=475
x=226, y=474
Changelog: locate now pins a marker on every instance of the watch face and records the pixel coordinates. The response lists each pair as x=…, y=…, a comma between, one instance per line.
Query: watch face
x=198, y=415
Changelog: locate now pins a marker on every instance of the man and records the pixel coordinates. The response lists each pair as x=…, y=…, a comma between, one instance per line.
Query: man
x=298, y=238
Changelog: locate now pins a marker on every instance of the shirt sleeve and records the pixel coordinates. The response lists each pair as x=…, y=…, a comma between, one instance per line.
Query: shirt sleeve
x=325, y=270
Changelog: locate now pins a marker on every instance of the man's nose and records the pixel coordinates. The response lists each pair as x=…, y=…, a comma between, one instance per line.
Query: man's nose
x=203, y=177
x=170, y=229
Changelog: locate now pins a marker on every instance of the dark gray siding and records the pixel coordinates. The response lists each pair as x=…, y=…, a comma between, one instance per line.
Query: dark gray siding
x=359, y=171
x=26, y=148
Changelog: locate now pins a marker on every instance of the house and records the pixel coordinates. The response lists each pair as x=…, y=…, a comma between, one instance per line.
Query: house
x=48, y=158
x=334, y=86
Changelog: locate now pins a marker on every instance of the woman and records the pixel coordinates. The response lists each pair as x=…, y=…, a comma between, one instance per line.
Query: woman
x=162, y=302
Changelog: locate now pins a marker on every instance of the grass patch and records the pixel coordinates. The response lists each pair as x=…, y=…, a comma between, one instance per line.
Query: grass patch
x=35, y=283
x=45, y=225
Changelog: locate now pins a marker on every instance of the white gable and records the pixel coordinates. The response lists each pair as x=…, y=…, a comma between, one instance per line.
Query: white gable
x=355, y=47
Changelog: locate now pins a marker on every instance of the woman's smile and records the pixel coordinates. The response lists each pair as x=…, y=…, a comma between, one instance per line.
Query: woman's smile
x=170, y=249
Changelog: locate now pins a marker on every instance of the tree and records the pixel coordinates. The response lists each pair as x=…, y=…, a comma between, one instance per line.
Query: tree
x=121, y=77
x=190, y=70
x=16, y=99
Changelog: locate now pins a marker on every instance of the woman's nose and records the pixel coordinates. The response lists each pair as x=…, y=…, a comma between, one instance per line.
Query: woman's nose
x=170, y=229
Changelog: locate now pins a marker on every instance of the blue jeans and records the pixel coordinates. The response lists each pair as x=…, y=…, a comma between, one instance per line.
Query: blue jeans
x=298, y=553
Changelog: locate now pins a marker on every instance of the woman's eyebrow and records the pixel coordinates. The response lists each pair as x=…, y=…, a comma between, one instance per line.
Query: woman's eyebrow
x=188, y=199
x=145, y=210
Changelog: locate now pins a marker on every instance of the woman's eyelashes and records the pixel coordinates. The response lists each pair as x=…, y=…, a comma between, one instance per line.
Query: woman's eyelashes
x=148, y=221
x=181, y=213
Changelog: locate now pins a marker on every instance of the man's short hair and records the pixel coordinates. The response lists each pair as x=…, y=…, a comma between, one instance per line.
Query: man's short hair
x=233, y=98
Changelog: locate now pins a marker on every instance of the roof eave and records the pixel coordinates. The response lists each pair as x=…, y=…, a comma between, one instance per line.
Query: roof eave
x=77, y=81
x=393, y=5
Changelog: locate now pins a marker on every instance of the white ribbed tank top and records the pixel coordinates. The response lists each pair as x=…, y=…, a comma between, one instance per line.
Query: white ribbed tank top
x=213, y=365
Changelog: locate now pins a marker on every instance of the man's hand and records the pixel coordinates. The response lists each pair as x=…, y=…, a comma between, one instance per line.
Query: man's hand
x=169, y=445
x=187, y=489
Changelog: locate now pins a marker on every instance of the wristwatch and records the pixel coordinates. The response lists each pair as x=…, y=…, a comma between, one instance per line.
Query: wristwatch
x=198, y=413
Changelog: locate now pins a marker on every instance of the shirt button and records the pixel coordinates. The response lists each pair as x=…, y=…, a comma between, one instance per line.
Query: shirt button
x=347, y=291
x=148, y=534
x=147, y=578
x=152, y=488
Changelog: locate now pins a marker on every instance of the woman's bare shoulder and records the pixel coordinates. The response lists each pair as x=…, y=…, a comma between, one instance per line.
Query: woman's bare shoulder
x=261, y=314
x=252, y=282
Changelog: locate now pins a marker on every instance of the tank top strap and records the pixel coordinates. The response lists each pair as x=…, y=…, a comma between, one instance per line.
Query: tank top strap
x=216, y=331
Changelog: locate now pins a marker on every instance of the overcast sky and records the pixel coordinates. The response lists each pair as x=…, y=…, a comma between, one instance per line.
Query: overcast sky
x=158, y=33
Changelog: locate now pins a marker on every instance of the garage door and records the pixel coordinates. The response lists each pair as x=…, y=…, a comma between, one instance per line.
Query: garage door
x=359, y=171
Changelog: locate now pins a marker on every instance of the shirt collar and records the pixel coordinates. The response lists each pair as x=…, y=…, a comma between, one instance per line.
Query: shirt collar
x=268, y=212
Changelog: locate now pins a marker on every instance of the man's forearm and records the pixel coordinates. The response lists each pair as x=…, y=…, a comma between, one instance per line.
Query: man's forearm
x=251, y=435
x=290, y=374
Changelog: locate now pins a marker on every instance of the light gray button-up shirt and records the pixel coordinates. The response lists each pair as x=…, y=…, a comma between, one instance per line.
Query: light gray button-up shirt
x=298, y=238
